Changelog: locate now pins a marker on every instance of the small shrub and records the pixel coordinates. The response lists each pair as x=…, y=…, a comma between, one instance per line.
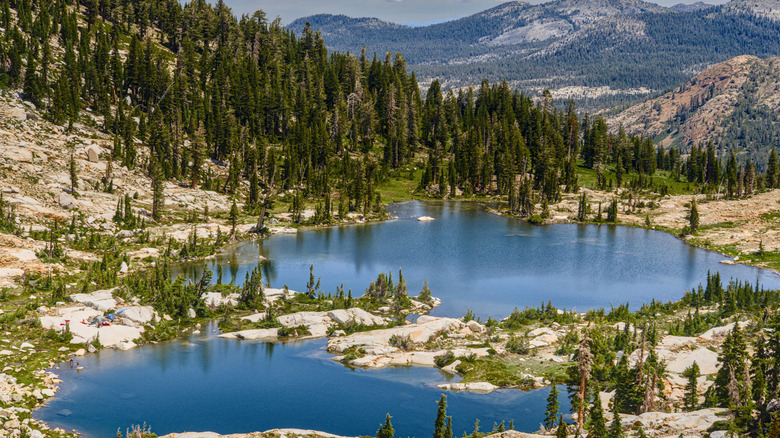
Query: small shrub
x=517, y=345
x=445, y=359
x=402, y=342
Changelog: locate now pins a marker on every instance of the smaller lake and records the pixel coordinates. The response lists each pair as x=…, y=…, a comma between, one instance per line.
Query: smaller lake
x=203, y=383
x=485, y=262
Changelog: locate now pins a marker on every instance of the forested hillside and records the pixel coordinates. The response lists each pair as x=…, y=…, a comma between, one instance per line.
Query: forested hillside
x=735, y=104
x=603, y=52
x=177, y=86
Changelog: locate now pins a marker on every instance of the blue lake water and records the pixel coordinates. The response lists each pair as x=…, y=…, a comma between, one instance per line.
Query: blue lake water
x=489, y=263
x=204, y=383
x=472, y=259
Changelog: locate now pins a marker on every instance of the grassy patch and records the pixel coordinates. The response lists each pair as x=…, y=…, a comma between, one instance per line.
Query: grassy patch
x=400, y=185
x=771, y=217
x=510, y=371
x=588, y=178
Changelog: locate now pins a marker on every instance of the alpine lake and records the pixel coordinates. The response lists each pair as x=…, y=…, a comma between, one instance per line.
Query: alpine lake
x=472, y=259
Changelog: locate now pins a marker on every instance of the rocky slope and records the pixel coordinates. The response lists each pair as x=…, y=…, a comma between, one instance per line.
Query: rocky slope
x=710, y=105
x=36, y=184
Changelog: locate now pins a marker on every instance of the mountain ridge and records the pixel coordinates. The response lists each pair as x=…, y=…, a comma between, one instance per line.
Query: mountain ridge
x=607, y=49
x=734, y=104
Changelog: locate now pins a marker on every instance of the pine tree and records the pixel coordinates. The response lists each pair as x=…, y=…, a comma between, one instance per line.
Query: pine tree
x=730, y=375
x=619, y=171
x=551, y=414
x=74, y=176
x=158, y=195
x=691, y=398
x=561, y=432
x=693, y=217
x=598, y=425
x=440, y=426
x=772, y=173
x=582, y=208
x=612, y=211
x=233, y=217
x=386, y=430
x=615, y=429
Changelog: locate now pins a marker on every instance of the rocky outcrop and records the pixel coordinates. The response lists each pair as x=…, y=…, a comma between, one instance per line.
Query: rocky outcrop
x=273, y=433
x=253, y=335
x=706, y=359
x=317, y=323
x=477, y=387
x=120, y=333
x=403, y=345
x=378, y=341
x=513, y=434
x=101, y=300
x=215, y=299
x=707, y=103
x=719, y=333
x=139, y=314
x=355, y=316
x=66, y=201
x=662, y=424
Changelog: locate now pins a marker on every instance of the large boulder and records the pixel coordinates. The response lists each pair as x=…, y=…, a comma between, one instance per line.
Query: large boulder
x=18, y=114
x=316, y=322
x=705, y=358
x=93, y=153
x=66, y=201
x=478, y=387
x=416, y=358
x=253, y=335
x=113, y=335
x=672, y=424
x=82, y=333
x=272, y=294
x=475, y=327
x=101, y=300
x=721, y=332
x=355, y=315
x=215, y=299
x=139, y=314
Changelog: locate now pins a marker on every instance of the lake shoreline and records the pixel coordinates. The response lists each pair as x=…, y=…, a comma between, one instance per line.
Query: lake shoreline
x=572, y=222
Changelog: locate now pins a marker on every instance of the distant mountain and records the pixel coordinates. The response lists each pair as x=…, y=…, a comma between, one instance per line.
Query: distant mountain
x=736, y=104
x=698, y=6
x=600, y=52
x=762, y=8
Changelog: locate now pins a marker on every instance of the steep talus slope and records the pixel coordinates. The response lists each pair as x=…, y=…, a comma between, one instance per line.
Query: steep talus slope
x=730, y=103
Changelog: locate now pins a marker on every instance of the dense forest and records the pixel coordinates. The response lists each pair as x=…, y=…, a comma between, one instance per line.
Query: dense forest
x=656, y=50
x=194, y=83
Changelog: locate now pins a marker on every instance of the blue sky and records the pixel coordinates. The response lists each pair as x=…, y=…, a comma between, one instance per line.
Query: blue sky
x=397, y=11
